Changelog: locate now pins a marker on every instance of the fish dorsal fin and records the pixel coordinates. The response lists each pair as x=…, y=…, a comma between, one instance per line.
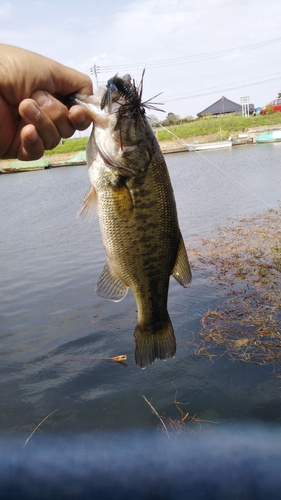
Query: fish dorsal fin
x=182, y=271
x=109, y=286
x=89, y=205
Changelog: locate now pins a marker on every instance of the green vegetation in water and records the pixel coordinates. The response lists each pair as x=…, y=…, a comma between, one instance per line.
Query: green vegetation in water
x=69, y=146
x=228, y=125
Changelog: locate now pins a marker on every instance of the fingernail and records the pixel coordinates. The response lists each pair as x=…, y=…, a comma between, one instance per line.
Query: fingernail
x=42, y=98
x=33, y=136
x=32, y=111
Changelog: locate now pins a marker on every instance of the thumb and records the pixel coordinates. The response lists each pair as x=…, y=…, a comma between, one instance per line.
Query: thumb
x=68, y=80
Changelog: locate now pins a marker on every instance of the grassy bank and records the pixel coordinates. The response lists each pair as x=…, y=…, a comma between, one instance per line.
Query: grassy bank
x=228, y=125
x=69, y=146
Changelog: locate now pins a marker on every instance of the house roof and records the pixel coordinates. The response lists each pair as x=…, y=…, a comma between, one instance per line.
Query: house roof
x=221, y=106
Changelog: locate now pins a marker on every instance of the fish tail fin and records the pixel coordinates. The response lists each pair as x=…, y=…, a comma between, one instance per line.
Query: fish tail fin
x=151, y=344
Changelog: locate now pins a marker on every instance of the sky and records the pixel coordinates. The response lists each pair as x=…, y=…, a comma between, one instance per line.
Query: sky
x=193, y=52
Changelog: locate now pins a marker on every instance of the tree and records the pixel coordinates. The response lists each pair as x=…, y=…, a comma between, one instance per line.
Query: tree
x=171, y=119
x=153, y=120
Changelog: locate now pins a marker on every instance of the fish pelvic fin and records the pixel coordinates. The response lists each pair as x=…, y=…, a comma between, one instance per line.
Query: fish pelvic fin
x=89, y=205
x=109, y=286
x=151, y=345
x=182, y=271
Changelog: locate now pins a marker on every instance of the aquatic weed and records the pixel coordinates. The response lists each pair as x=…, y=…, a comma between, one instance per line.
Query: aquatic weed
x=182, y=423
x=246, y=260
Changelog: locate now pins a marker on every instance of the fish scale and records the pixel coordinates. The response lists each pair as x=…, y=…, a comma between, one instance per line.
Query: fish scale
x=131, y=186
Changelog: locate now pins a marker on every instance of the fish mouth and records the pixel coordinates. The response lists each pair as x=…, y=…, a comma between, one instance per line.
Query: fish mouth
x=93, y=104
x=116, y=88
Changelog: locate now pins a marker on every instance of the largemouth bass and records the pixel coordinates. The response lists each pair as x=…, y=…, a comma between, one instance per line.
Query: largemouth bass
x=131, y=187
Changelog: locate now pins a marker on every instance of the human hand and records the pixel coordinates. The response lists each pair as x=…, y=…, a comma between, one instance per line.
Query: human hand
x=32, y=115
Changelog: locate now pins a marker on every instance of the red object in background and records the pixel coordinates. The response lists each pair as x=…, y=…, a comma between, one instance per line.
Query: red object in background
x=276, y=106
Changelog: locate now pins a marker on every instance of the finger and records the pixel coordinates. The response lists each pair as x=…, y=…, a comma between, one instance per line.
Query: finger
x=37, y=116
x=44, y=110
x=79, y=118
x=56, y=111
x=8, y=126
x=31, y=145
x=66, y=121
x=68, y=80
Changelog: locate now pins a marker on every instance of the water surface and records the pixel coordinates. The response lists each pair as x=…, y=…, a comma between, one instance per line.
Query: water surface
x=56, y=333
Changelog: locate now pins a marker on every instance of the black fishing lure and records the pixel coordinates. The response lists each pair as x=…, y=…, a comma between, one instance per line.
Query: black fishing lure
x=122, y=87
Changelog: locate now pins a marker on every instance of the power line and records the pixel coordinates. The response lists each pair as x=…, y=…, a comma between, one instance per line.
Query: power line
x=218, y=89
x=212, y=76
x=184, y=60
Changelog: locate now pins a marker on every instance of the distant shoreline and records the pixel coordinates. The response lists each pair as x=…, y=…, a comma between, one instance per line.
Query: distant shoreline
x=60, y=159
x=167, y=146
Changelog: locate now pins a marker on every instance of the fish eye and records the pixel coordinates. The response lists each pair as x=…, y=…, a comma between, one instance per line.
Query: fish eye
x=112, y=88
x=110, y=81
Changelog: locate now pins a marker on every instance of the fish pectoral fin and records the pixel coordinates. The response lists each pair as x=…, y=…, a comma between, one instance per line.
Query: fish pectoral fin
x=89, y=205
x=123, y=203
x=182, y=271
x=151, y=344
x=109, y=286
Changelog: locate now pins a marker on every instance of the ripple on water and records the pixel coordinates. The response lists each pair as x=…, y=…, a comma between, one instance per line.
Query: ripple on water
x=55, y=332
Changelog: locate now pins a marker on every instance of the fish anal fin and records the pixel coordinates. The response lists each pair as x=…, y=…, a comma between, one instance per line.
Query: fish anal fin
x=151, y=345
x=182, y=271
x=109, y=286
x=89, y=205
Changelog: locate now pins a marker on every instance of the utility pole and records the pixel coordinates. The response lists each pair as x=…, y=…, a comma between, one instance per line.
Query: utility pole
x=245, y=101
x=94, y=71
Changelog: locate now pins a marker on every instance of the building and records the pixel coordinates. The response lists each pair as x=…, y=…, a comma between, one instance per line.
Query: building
x=224, y=106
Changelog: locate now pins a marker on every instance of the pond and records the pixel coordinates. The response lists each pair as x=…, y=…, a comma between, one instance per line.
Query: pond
x=57, y=336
